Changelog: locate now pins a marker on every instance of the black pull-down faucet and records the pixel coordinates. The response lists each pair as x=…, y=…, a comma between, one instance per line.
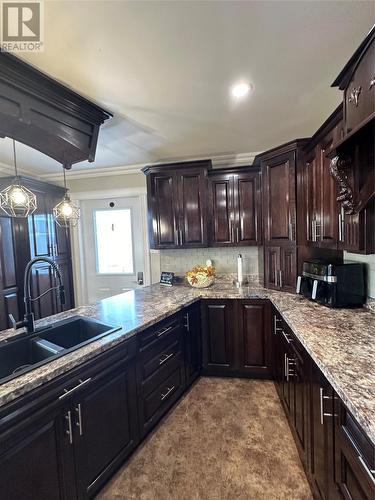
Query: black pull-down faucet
x=28, y=320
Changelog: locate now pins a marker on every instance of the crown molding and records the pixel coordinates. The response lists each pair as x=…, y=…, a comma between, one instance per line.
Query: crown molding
x=218, y=160
x=8, y=170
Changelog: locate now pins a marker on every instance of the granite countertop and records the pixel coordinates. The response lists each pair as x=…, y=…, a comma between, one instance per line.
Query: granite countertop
x=340, y=341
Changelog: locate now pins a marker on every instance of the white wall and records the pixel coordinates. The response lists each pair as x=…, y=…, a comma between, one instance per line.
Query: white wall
x=107, y=182
x=369, y=260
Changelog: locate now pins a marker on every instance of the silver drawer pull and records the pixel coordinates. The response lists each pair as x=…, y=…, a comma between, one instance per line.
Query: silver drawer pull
x=165, y=330
x=169, y=390
x=368, y=471
x=68, y=392
x=69, y=430
x=275, y=327
x=187, y=324
x=163, y=360
x=289, y=340
x=79, y=422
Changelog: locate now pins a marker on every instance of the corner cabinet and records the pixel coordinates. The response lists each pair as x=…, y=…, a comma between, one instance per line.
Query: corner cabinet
x=235, y=207
x=236, y=338
x=281, y=213
x=177, y=204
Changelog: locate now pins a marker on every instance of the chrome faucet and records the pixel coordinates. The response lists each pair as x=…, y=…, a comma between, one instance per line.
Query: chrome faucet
x=28, y=320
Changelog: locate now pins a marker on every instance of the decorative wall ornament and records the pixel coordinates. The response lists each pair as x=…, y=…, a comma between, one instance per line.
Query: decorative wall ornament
x=338, y=168
x=66, y=213
x=16, y=200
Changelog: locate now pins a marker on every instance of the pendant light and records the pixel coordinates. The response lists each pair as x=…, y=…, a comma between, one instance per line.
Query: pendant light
x=66, y=213
x=16, y=200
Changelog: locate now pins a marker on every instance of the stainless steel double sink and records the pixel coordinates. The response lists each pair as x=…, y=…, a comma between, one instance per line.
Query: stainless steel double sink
x=25, y=352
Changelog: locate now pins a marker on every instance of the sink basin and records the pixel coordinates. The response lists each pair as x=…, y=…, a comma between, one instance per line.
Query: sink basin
x=76, y=331
x=28, y=351
x=22, y=354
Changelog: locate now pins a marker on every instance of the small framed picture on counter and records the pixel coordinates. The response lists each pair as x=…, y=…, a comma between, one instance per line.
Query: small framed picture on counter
x=166, y=278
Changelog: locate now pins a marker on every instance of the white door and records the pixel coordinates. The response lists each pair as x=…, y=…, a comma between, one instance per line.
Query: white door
x=113, y=246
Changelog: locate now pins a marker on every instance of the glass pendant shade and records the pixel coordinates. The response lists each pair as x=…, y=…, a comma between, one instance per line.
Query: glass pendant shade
x=66, y=213
x=16, y=200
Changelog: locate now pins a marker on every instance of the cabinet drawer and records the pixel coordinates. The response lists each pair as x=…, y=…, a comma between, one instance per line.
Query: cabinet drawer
x=157, y=402
x=154, y=359
x=360, y=93
x=159, y=375
x=157, y=333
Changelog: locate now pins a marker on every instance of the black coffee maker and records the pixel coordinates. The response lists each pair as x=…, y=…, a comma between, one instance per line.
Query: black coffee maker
x=333, y=285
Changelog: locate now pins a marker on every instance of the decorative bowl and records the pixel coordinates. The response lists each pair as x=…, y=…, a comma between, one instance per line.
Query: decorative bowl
x=201, y=280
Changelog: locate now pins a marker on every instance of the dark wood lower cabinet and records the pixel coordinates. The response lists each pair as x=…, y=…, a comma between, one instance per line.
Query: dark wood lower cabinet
x=64, y=440
x=322, y=435
x=193, y=343
x=218, y=337
x=236, y=338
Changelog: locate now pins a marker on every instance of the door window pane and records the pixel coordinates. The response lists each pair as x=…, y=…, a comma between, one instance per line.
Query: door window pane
x=113, y=241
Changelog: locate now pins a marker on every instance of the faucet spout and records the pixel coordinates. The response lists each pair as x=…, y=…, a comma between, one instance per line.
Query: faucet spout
x=28, y=321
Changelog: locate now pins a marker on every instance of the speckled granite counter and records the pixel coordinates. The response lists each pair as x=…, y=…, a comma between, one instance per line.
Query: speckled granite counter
x=340, y=341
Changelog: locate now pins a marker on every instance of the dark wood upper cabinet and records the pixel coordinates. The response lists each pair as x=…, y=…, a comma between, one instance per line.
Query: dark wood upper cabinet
x=319, y=188
x=357, y=80
x=44, y=114
x=235, y=207
x=279, y=198
x=177, y=204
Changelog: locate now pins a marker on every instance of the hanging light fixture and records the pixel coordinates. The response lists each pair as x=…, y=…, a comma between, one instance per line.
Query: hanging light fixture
x=66, y=213
x=16, y=200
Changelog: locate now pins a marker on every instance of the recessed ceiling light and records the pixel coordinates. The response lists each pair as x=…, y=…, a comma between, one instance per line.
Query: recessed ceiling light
x=241, y=89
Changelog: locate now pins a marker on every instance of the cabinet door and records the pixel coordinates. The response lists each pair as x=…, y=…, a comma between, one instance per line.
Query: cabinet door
x=321, y=429
x=192, y=189
x=218, y=336
x=355, y=458
x=254, y=338
x=300, y=420
x=272, y=267
x=288, y=268
x=36, y=460
x=221, y=210
x=312, y=198
x=162, y=210
x=280, y=198
x=328, y=228
x=9, y=290
x=246, y=208
x=105, y=427
x=193, y=343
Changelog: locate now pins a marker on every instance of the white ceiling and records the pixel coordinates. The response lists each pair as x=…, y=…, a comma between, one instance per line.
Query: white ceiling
x=164, y=69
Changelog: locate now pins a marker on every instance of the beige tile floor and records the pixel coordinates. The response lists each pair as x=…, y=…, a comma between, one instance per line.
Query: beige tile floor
x=226, y=439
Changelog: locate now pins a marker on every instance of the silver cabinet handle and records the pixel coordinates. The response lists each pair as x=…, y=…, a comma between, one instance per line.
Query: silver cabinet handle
x=187, y=324
x=276, y=282
x=287, y=368
x=69, y=430
x=281, y=278
x=322, y=413
x=79, y=421
x=169, y=390
x=181, y=237
x=372, y=82
x=164, y=331
x=298, y=287
x=291, y=231
x=289, y=363
x=314, y=289
x=238, y=234
x=163, y=360
x=340, y=228
x=275, y=327
x=231, y=232
x=313, y=230
x=68, y=392
x=289, y=340
x=368, y=471
x=285, y=364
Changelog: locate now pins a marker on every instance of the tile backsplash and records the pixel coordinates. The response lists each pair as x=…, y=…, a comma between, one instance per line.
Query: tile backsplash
x=224, y=259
